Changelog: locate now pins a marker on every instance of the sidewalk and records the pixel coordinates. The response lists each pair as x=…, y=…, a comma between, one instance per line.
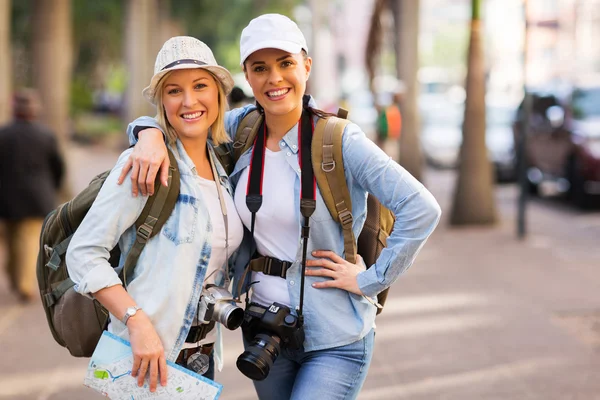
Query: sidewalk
x=480, y=315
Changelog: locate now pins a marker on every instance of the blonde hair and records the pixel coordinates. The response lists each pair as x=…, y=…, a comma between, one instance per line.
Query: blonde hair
x=217, y=131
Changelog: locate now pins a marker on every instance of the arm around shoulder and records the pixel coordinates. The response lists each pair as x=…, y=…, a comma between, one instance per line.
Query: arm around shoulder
x=141, y=123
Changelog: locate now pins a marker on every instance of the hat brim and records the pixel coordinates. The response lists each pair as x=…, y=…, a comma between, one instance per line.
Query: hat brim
x=222, y=74
x=291, y=48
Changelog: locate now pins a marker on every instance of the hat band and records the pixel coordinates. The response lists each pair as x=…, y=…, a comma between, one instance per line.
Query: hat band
x=184, y=61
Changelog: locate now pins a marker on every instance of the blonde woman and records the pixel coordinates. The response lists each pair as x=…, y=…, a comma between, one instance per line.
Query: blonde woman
x=158, y=311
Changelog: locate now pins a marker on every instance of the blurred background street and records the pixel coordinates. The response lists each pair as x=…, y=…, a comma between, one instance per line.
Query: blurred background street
x=493, y=104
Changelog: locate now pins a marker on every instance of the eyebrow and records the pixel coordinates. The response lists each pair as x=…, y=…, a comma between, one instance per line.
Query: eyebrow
x=194, y=81
x=279, y=59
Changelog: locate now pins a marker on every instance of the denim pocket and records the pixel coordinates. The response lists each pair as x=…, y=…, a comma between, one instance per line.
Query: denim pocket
x=181, y=225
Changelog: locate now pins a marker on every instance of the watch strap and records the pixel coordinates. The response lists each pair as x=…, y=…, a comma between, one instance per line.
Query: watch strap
x=129, y=313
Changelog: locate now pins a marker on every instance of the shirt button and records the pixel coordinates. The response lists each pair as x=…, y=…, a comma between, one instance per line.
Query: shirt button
x=294, y=147
x=289, y=153
x=299, y=169
x=282, y=143
x=292, y=283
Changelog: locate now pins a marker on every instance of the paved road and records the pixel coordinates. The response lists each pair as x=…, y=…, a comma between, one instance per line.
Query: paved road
x=480, y=315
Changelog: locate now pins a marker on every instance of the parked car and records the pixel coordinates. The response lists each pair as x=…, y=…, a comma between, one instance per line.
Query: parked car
x=441, y=135
x=563, y=141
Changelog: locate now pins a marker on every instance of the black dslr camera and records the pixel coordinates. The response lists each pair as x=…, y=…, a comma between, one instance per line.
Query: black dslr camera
x=267, y=329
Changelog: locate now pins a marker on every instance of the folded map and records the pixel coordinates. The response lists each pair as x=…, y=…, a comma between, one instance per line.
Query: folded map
x=109, y=372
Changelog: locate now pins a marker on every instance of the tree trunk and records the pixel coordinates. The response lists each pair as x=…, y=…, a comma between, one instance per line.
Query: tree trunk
x=52, y=62
x=140, y=53
x=474, y=193
x=5, y=63
x=406, y=15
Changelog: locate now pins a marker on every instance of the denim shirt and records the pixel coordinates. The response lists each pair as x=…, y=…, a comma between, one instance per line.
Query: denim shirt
x=169, y=275
x=335, y=317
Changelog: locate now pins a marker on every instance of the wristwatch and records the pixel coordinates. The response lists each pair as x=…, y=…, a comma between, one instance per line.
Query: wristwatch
x=130, y=312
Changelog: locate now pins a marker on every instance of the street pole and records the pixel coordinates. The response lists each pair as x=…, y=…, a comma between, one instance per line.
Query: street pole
x=522, y=139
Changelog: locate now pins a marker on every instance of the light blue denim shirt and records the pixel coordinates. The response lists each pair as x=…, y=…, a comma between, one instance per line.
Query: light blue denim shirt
x=169, y=275
x=335, y=317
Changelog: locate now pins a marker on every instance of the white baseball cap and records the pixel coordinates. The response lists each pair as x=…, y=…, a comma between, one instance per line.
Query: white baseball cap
x=271, y=31
x=185, y=52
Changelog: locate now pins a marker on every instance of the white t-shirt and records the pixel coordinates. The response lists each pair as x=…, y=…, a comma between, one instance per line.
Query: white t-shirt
x=218, y=253
x=276, y=230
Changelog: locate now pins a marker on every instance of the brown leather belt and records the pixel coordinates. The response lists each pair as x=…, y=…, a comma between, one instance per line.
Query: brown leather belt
x=185, y=353
x=270, y=266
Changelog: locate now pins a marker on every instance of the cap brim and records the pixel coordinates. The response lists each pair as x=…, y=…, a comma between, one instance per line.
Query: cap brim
x=291, y=48
x=222, y=74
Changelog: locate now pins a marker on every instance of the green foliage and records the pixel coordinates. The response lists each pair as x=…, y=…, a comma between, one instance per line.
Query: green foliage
x=98, y=35
x=219, y=23
x=449, y=49
x=20, y=21
x=116, y=78
x=81, y=95
x=99, y=38
x=475, y=9
x=93, y=127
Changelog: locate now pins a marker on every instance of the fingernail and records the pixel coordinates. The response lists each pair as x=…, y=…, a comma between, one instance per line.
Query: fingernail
x=314, y=252
x=314, y=285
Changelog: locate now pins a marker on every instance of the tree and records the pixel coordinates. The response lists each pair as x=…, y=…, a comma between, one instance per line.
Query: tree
x=406, y=46
x=140, y=53
x=5, y=61
x=52, y=61
x=406, y=15
x=474, y=193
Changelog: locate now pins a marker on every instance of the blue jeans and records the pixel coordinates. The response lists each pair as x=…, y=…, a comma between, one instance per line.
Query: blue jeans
x=331, y=374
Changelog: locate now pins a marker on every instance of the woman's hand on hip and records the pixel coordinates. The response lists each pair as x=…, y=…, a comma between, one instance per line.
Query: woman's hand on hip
x=148, y=351
x=148, y=157
x=342, y=273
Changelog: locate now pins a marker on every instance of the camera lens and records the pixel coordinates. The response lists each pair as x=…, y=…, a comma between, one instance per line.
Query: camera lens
x=257, y=360
x=232, y=317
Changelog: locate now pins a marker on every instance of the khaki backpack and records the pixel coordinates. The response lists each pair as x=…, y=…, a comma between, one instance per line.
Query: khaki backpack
x=328, y=167
x=76, y=321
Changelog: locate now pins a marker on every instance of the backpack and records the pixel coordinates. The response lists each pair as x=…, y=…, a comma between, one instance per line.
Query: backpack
x=328, y=167
x=77, y=321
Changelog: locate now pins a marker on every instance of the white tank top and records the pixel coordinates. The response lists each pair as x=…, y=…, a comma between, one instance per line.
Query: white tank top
x=218, y=253
x=276, y=231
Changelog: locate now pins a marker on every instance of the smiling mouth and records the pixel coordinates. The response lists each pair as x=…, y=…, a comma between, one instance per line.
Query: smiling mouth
x=277, y=93
x=193, y=115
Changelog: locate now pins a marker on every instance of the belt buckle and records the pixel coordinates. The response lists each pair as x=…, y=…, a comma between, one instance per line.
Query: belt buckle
x=267, y=268
x=198, y=362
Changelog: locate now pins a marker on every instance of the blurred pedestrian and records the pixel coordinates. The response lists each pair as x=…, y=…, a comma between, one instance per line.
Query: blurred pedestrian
x=31, y=171
x=237, y=98
x=333, y=360
x=389, y=120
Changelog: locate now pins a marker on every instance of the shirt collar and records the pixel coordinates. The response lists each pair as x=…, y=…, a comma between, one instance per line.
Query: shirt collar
x=187, y=161
x=291, y=137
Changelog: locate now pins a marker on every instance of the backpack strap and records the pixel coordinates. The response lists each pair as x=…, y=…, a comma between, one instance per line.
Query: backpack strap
x=157, y=210
x=246, y=132
x=224, y=154
x=328, y=166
